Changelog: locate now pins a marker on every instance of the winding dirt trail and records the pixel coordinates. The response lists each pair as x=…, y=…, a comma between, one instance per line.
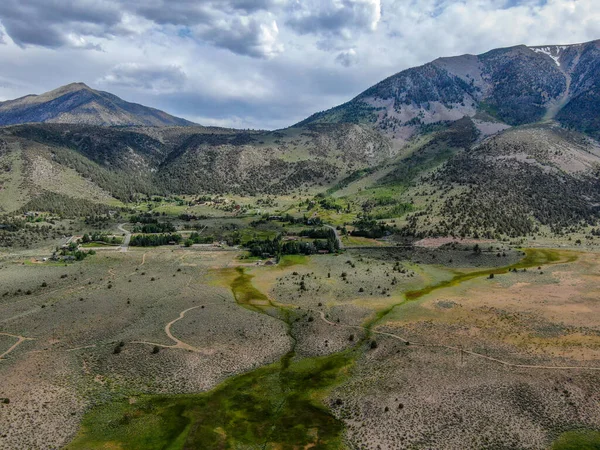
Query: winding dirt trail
x=337, y=236
x=126, y=239
x=457, y=349
x=80, y=348
x=178, y=342
x=20, y=340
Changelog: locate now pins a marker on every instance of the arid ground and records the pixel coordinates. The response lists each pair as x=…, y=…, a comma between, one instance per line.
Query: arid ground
x=385, y=348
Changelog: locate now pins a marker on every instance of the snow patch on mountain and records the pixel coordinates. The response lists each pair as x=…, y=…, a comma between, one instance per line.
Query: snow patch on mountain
x=552, y=51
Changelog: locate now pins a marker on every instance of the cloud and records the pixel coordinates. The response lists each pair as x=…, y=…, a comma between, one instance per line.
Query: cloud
x=194, y=12
x=155, y=78
x=245, y=27
x=179, y=13
x=250, y=6
x=347, y=58
x=58, y=23
x=242, y=35
x=342, y=18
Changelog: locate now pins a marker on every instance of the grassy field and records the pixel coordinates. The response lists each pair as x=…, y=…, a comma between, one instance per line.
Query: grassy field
x=358, y=241
x=277, y=405
x=578, y=440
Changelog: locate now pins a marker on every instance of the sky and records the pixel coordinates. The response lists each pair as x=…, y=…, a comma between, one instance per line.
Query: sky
x=259, y=63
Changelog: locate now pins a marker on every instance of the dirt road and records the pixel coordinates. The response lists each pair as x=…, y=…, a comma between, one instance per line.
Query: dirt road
x=126, y=238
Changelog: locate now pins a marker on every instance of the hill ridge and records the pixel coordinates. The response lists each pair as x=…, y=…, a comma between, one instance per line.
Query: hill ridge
x=78, y=103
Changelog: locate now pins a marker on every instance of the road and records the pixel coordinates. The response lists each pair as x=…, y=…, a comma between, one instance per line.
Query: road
x=337, y=236
x=20, y=339
x=459, y=349
x=127, y=237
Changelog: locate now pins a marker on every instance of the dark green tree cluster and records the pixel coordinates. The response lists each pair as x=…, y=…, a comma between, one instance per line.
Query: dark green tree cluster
x=316, y=233
x=196, y=238
x=153, y=240
x=100, y=237
x=161, y=227
x=189, y=217
x=144, y=218
x=278, y=247
x=367, y=226
x=72, y=251
x=308, y=248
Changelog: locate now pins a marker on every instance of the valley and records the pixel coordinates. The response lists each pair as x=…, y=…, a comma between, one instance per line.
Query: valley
x=206, y=345
x=416, y=268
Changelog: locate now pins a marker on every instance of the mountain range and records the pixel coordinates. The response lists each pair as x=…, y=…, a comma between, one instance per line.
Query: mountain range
x=512, y=86
x=499, y=144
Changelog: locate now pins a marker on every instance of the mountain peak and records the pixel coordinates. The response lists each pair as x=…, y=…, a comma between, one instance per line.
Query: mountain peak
x=76, y=86
x=79, y=103
x=66, y=89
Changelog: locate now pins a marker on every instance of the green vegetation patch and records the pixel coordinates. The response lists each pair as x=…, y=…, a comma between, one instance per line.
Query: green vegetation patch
x=578, y=440
x=277, y=407
x=292, y=260
x=243, y=290
x=533, y=257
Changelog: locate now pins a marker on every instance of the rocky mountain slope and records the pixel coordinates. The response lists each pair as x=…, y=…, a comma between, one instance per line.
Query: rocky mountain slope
x=506, y=87
x=78, y=103
x=526, y=180
x=103, y=163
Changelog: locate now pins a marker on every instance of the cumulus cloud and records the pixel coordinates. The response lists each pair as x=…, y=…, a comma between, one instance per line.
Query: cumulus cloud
x=334, y=17
x=56, y=24
x=254, y=5
x=347, y=58
x=182, y=13
x=244, y=27
x=192, y=12
x=243, y=35
x=159, y=79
